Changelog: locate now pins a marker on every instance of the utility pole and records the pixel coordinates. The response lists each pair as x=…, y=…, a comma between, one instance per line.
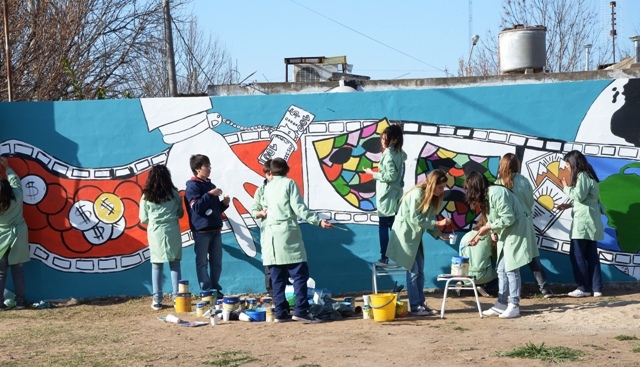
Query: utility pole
x=168, y=40
x=613, y=29
x=7, y=50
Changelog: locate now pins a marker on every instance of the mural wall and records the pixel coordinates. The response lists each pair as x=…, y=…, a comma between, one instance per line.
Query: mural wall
x=83, y=164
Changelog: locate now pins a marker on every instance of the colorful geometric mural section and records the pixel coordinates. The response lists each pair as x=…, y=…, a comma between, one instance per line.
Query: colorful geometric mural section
x=456, y=165
x=343, y=159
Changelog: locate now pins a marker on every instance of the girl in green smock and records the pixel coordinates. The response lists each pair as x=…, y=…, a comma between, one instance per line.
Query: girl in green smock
x=417, y=213
x=509, y=176
x=586, y=226
x=14, y=238
x=513, y=231
x=161, y=207
x=389, y=185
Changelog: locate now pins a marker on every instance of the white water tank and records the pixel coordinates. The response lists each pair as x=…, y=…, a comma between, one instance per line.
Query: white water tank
x=521, y=49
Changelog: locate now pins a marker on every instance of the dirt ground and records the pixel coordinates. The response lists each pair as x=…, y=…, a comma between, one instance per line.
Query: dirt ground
x=126, y=332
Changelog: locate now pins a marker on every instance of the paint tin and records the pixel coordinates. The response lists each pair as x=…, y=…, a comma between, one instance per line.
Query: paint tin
x=349, y=300
x=252, y=303
x=230, y=303
x=183, y=302
x=200, y=308
x=270, y=316
x=460, y=266
x=367, y=312
x=206, y=296
x=183, y=286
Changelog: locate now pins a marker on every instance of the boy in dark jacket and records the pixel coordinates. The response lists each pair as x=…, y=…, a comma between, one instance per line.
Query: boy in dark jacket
x=205, y=208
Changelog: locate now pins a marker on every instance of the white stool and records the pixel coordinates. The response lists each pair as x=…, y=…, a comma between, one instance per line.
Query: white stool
x=448, y=278
x=384, y=270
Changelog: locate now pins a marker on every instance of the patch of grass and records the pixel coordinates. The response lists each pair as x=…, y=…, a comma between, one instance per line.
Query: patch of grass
x=460, y=328
x=626, y=337
x=635, y=350
x=596, y=347
x=295, y=358
x=468, y=349
x=232, y=358
x=549, y=354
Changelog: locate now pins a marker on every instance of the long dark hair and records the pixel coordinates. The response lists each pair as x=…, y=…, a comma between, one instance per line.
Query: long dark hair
x=509, y=166
x=6, y=195
x=159, y=187
x=579, y=164
x=394, y=132
x=477, y=186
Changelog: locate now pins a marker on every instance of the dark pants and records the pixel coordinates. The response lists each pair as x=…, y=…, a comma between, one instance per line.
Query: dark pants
x=538, y=272
x=384, y=227
x=279, y=276
x=586, y=265
x=267, y=280
x=17, y=272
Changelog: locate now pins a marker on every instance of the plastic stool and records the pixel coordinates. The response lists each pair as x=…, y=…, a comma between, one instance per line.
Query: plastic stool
x=448, y=278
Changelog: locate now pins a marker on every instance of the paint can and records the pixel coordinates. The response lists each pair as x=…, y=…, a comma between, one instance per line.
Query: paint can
x=460, y=266
x=230, y=303
x=270, y=316
x=183, y=286
x=252, y=303
x=350, y=300
x=183, y=302
x=200, y=308
x=367, y=312
x=207, y=296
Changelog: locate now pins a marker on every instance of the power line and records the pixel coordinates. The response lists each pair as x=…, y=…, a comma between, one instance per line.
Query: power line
x=371, y=38
x=191, y=52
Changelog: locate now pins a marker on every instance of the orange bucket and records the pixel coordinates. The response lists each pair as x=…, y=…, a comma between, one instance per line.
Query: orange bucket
x=182, y=302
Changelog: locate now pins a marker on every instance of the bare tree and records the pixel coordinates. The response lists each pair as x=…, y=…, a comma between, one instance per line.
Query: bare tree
x=77, y=49
x=570, y=25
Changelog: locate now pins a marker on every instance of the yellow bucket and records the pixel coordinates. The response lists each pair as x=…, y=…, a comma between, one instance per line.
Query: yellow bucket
x=383, y=306
x=183, y=302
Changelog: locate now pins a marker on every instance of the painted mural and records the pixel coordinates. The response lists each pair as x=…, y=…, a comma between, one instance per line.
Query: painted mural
x=81, y=203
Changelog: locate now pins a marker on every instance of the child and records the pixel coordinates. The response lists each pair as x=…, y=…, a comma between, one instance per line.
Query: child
x=480, y=258
x=282, y=246
x=258, y=211
x=389, y=185
x=14, y=242
x=418, y=210
x=509, y=176
x=205, y=208
x=161, y=207
x=509, y=222
x=586, y=226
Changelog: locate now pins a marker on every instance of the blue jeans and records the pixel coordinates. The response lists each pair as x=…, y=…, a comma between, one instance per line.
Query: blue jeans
x=279, y=276
x=509, y=283
x=17, y=272
x=208, y=249
x=156, y=279
x=586, y=265
x=384, y=227
x=415, y=281
x=538, y=272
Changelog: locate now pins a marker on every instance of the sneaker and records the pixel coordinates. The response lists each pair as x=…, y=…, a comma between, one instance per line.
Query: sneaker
x=597, y=294
x=383, y=262
x=492, y=312
x=307, y=319
x=547, y=293
x=511, y=312
x=423, y=311
x=156, y=305
x=20, y=306
x=578, y=293
x=482, y=291
x=282, y=319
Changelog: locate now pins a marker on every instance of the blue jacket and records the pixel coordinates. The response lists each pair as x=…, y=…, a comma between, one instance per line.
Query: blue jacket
x=204, y=209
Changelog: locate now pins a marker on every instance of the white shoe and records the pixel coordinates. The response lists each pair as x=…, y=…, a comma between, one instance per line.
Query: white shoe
x=597, y=294
x=578, y=293
x=492, y=312
x=511, y=312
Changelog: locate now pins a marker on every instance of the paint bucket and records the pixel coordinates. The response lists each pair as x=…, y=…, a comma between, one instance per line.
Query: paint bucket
x=183, y=302
x=270, y=314
x=183, y=286
x=350, y=300
x=258, y=314
x=200, y=308
x=207, y=296
x=460, y=266
x=384, y=306
x=230, y=303
x=367, y=312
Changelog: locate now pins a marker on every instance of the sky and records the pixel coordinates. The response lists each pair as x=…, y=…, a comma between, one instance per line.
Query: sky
x=404, y=39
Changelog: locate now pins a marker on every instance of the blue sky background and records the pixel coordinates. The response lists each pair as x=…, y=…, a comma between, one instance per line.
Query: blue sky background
x=428, y=36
